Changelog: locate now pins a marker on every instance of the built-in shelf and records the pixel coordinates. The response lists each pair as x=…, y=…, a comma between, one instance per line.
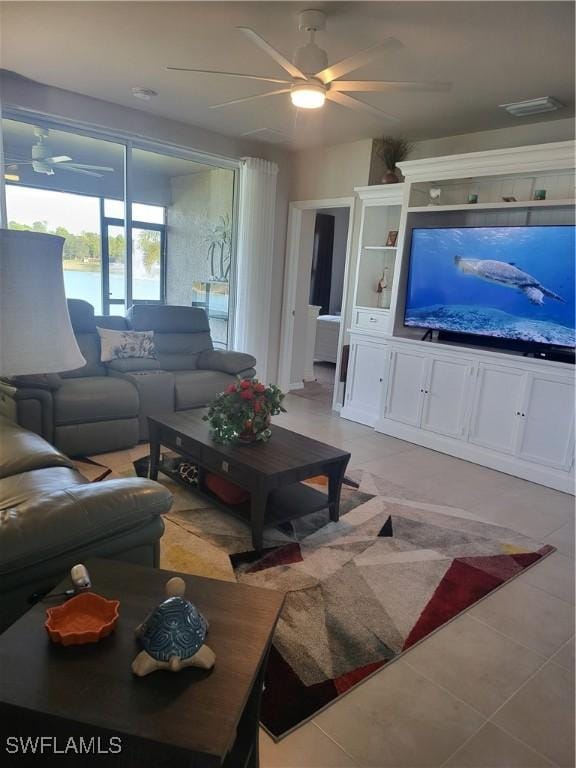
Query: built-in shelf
x=501, y=206
x=379, y=247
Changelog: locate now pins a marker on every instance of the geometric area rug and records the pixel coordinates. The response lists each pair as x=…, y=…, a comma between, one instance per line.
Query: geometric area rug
x=362, y=591
x=358, y=593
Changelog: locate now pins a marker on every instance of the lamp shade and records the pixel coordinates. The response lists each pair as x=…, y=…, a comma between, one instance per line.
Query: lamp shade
x=35, y=331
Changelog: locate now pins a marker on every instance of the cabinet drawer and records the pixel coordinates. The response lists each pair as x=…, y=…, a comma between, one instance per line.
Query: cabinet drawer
x=372, y=320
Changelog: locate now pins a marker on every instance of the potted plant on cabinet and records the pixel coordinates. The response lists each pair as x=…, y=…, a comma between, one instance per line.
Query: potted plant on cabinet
x=392, y=150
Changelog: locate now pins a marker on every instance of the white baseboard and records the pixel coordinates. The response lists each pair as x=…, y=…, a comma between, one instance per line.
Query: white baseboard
x=548, y=476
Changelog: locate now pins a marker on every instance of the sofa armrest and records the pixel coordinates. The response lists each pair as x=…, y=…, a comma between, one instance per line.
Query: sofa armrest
x=225, y=361
x=48, y=381
x=31, y=408
x=52, y=524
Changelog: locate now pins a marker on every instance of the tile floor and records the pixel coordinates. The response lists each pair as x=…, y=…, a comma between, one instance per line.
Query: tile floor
x=322, y=388
x=493, y=689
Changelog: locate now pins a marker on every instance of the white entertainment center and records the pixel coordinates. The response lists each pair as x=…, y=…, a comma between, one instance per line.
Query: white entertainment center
x=494, y=407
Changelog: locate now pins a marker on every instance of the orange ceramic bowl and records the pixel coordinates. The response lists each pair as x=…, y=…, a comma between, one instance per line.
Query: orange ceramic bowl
x=85, y=618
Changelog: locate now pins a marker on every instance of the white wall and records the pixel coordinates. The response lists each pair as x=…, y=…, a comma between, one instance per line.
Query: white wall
x=17, y=92
x=327, y=172
x=515, y=136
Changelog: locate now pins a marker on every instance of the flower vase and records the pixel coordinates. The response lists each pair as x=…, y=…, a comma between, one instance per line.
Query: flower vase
x=251, y=433
x=390, y=177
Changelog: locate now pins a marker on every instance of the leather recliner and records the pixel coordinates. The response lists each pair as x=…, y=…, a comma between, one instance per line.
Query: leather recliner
x=52, y=518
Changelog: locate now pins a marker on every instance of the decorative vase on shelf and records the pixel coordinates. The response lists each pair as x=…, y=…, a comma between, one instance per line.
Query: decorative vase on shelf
x=391, y=177
x=242, y=413
x=392, y=150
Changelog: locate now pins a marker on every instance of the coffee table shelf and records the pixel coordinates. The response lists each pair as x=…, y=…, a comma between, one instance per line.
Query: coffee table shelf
x=284, y=504
x=272, y=473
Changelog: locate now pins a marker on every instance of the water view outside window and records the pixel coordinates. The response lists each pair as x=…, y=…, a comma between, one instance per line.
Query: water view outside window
x=77, y=219
x=74, y=217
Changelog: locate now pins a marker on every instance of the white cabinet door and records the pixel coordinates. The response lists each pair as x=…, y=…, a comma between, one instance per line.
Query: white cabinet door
x=365, y=380
x=547, y=421
x=497, y=407
x=406, y=387
x=446, y=397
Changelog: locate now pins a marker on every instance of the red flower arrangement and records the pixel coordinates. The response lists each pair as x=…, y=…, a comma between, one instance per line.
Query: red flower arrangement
x=243, y=411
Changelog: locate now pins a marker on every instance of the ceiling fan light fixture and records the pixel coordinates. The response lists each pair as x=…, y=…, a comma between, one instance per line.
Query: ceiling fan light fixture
x=308, y=95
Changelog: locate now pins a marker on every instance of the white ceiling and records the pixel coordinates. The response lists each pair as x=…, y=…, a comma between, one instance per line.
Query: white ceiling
x=493, y=52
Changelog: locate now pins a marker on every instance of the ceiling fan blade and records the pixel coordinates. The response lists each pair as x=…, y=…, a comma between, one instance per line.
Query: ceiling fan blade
x=358, y=60
x=250, y=98
x=361, y=106
x=388, y=85
x=91, y=167
x=229, y=74
x=57, y=159
x=278, y=57
x=79, y=170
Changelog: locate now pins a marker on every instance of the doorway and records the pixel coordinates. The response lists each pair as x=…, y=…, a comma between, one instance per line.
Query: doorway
x=315, y=280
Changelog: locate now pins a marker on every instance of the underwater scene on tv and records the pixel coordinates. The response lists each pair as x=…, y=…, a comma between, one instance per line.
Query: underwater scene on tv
x=505, y=282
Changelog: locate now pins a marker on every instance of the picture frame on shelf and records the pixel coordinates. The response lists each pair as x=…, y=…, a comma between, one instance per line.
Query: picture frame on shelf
x=392, y=238
x=539, y=194
x=509, y=199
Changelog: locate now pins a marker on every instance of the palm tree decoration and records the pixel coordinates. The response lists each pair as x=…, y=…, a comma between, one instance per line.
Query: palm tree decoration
x=219, y=241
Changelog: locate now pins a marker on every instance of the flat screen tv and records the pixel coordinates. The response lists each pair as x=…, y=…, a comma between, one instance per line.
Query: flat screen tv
x=515, y=284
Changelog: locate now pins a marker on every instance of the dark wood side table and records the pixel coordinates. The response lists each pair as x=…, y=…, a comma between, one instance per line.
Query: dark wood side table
x=189, y=719
x=271, y=472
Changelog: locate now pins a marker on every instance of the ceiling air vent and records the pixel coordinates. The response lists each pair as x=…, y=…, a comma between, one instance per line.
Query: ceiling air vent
x=532, y=106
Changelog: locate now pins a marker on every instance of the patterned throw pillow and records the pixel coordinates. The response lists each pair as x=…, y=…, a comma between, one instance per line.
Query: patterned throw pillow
x=118, y=345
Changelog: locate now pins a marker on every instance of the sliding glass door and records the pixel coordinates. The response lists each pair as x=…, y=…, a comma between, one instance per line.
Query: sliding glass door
x=177, y=245
x=195, y=234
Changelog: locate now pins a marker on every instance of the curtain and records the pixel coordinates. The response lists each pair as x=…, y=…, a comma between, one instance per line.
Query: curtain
x=254, y=260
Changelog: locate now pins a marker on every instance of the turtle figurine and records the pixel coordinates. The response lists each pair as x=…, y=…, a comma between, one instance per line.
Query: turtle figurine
x=173, y=635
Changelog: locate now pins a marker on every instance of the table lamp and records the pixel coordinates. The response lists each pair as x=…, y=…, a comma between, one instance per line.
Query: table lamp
x=36, y=334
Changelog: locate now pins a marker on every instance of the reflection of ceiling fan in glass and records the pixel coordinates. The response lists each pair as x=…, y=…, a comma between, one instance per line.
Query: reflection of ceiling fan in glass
x=43, y=161
x=312, y=81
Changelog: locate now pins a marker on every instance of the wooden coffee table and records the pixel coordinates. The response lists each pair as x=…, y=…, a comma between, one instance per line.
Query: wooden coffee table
x=188, y=719
x=271, y=472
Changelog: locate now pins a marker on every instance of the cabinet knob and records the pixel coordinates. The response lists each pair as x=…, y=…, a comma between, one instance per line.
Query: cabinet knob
x=517, y=413
x=524, y=415
x=381, y=379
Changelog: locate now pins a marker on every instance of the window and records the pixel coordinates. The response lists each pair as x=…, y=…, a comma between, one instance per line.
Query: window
x=177, y=244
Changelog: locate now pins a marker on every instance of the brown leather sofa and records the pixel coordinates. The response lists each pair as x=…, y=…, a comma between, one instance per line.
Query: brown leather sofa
x=104, y=407
x=51, y=518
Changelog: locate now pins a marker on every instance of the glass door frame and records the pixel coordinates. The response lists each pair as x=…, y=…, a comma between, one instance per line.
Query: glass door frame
x=128, y=301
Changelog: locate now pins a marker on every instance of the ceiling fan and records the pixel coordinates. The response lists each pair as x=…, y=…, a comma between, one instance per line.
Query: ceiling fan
x=44, y=162
x=313, y=81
